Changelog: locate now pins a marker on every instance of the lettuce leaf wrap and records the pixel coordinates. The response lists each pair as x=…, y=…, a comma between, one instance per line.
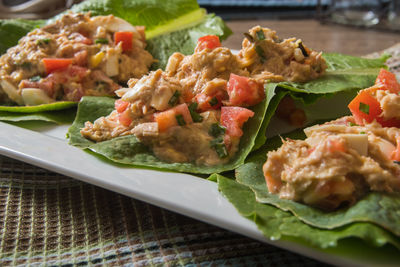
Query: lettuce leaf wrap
x=344, y=77
x=378, y=244
x=376, y=211
x=128, y=150
x=171, y=26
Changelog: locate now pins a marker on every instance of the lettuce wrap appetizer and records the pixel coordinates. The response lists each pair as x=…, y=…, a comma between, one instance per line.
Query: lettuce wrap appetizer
x=75, y=54
x=375, y=212
x=343, y=160
x=192, y=117
x=278, y=224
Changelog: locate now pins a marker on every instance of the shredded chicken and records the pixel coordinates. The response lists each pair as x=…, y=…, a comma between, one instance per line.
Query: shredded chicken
x=335, y=166
x=97, y=65
x=208, y=79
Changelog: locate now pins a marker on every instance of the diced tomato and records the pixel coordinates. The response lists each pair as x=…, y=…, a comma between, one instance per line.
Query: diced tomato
x=126, y=38
x=54, y=64
x=184, y=111
x=243, y=91
x=370, y=110
x=334, y=145
x=121, y=105
x=63, y=76
x=208, y=41
x=389, y=123
x=395, y=156
x=76, y=72
x=233, y=119
x=124, y=118
x=187, y=96
x=206, y=102
x=167, y=119
x=388, y=80
x=370, y=104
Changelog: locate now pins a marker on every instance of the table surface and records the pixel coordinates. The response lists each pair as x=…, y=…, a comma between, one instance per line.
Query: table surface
x=50, y=219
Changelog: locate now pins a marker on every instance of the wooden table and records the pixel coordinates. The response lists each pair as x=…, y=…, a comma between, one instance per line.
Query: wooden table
x=320, y=37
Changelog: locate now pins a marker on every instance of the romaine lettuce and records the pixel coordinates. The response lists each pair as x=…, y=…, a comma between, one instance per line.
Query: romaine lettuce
x=128, y=150
x=377, y=208
x=277, y=224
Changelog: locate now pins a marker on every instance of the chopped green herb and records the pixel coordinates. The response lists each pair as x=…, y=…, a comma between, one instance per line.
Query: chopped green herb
x=196, y=117
x=181, y=121
x=249, y=37
x=43, y=41
x=101, y=41
x=260, y=53
x=260, y=35
x=221, y=150
x=303, y=50
x=353, y=124
x=60, y=93
x=216, y=130
x=362, y=132
x=35, y=78
x=214, y=101
x=26, y=65
x=101, y=86
x=174, y=98
x=364, y=108
x=219, y=146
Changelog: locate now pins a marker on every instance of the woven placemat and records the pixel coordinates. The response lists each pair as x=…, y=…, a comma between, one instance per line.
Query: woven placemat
x=47, y=219
x=52, y=220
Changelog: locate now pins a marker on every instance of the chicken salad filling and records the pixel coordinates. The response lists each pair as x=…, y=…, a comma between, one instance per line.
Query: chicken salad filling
x=193, y=111
x=341, y=161
x=76, y=55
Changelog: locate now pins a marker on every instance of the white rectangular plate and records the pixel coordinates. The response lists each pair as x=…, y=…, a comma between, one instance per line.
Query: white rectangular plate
x=44, y=145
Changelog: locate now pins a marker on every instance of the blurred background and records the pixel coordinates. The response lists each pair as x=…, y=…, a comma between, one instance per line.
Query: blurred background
x=378, y=14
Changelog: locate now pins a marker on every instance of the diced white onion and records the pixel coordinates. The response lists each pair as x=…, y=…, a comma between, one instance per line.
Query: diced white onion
x=35, y=96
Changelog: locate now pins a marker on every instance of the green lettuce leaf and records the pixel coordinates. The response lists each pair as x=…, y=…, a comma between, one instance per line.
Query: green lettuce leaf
x=344, y=73
x=65, y=116
x=88, y=110
x=14, y=29
x=378, y=208
x=158, y=17
x=184, y=41
x=171, y=26
x=277, y=224
x=274, y=97
x=345, y=76
x=128, y=150
x=39, y=108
